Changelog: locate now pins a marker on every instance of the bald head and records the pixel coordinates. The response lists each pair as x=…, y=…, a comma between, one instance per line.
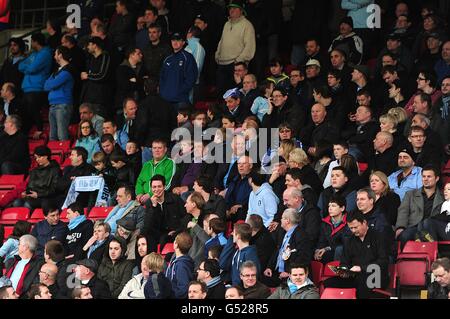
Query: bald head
x=318, y=113
x=292, y=197
x=47, y=274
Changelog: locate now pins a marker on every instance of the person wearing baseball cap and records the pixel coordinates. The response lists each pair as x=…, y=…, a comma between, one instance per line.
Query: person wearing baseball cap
x=408, y=177
x=237, y=44
x=178, y=74
x=348, y=41
x=86, y=274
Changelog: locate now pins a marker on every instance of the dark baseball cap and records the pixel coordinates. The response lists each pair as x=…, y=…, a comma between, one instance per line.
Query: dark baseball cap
x=202, y=17
x=177, y=37
x=88, y=263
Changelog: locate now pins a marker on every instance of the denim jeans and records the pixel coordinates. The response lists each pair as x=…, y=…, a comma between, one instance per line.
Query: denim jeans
x=59, y=118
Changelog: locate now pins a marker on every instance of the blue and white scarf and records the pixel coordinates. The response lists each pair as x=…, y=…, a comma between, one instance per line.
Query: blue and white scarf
x=88, y=184
x=73, y=223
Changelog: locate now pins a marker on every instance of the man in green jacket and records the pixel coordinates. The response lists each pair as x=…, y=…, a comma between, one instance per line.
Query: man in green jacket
x=159, y=165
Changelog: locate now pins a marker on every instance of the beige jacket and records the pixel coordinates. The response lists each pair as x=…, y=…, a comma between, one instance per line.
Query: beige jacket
x=238, y=42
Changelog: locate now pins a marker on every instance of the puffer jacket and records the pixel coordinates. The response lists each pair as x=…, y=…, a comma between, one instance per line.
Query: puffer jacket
x=43, y=180
x=116, y=274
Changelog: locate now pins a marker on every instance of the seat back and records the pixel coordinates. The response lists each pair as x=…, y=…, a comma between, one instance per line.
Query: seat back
x=168, y=248
x=14, y=214
x=430, y=249
x=412, y=272
x=316, y=271
x=99, y=212
x=338, y=293
x=327, y=273
x=8, y=231
x=37, y=215
x=8, y=182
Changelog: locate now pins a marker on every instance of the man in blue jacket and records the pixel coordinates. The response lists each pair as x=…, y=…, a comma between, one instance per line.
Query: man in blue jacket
x=48, y=229
x=231, y=259
x=180, y=271
x=37, y=68
x=60, y=97
x=178, y=73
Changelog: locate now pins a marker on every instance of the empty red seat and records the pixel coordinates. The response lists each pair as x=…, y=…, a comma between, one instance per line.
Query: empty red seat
x=11, y=215
x=63, y=215
x=10, y=181
x=316, y=272
x=99, y=212
x=8, y=232
x=168, y=248
x=338, y=293
x=362, y=167
x=413, y=247
x=412, y=272
x=36, y=216
x=59, y=146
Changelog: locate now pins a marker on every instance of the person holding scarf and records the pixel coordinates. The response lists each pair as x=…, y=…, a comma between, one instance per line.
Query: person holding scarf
x=80, y=231
x=297, y=286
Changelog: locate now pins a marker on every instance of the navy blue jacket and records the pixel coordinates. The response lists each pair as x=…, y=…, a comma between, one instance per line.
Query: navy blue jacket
x=180, y=272
x=44, y=232
x=177, y=78
x=231, y=260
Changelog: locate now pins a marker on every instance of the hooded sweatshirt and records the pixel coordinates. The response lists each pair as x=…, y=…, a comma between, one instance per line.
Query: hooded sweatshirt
x=116, y=274
x=264, y=203
x=180, y=272
x=60, y=86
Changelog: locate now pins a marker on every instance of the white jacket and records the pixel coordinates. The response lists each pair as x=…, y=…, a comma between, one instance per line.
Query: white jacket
x=134, y=289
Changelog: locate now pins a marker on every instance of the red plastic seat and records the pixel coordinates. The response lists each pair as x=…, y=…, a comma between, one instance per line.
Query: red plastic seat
x=362, y=167
x=412, y=271
x=168, y=248
x=63, y=216
x=36, y=216
x=327, y=273
x=11, y=215
x=67, y=162
x=9, y=182
x=316, y=271
x=60, y=147
x=32, y=144
x=99, y=212
x=8, y=232
x=413, y=247
x=338, y=293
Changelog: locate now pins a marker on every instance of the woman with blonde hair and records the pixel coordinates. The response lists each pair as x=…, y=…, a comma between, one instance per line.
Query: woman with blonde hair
x=401, y=115
x=298, y=159
x=389, y=123
x=387, y=201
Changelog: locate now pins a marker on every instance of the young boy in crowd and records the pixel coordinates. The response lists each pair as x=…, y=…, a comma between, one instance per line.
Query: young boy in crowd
x=134, y=155
x=277, y=76
x=99, y=163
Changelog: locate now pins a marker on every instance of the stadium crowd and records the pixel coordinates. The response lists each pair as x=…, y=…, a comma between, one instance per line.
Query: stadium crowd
x=166, y=103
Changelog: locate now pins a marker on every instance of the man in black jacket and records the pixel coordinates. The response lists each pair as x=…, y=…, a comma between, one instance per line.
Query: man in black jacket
x=80, y=231
x=309, y=214
x=10, y=103
x=319, y=130
x=85, y=271
x=14, y=151
x=440, y=288
x=79, y=167
x=10, y=68
x=364, y=253
x=155, y=119
x=122, y=28
x=385, y=154
x=293, y=245
x=282, y=110
x=96, y=86
x=209, y=273
x=261, y=239
x=129, y=78
x=154, y=54
x=360, y=137
x=165, y=212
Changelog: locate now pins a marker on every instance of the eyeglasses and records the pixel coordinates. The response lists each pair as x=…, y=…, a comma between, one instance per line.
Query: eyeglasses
x=285, y=130
x=421, y=79
x=85, y=127
x=249, y=275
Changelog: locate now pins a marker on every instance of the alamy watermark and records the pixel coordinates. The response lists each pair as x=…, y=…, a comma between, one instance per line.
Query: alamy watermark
x=374, y=19
x=74, y=18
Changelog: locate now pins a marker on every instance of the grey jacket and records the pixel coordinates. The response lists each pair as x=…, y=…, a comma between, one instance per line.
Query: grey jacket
x=197, y=251
x=306, y=292
x=410, y=212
